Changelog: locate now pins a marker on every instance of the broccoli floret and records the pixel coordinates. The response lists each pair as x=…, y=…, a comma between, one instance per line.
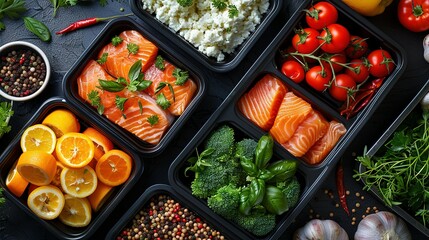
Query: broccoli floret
x=225, y=202
x=291, y=189
x=258, y=223
x=246, y=148
x=222, y=141
x=185, y=3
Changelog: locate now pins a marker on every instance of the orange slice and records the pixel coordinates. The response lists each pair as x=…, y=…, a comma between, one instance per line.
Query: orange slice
x=79, y=182
x=46, y=202
x=114, y=167
x=37, y=167
x=15, y=182
x=76, y=212
x=38, y=137
x=102, y=143
x=99, y=196
x=62, y=121
x=74, y=150
x=56, y=181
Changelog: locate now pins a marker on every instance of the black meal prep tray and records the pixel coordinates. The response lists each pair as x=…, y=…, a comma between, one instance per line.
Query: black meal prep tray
x=311, y=177
x=165, y=189
x=167, y=51
x=231, y=60
x=56, y=227
x=413, y=106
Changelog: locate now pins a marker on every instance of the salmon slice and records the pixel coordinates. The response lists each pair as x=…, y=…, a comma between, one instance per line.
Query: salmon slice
x=183, y=94
x=307, y=133
x=134, y=117
x=88, y=81
x=324, y=145
x=119, y=59
x=261, y=104
x=292, y=112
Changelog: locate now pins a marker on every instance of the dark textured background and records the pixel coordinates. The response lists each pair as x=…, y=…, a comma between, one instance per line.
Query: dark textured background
x=63, y=51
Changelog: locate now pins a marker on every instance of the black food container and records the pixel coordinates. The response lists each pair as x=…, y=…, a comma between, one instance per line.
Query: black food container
x=56, y=227
x=310, y=176
x=412, y=110
x=231, y=60
x=162, y=189
x=168, y=52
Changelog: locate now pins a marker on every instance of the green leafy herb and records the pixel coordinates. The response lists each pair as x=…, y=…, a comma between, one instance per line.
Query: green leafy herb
x=136, y=77
x=103, y=58
x=232, y=11
x=111, y=86
x=38, y=28
x=159, y=63
x=62, y=3
x=153, y=119
x=219, y=4
x=95, y=101
x=162, y=85
x=5, y=113
x=116, y=40
x=140, y=106
x=162, y=101
x=185, y=3
x=12, y=9
x=181, y=76
x=119, y=102
x=132, y=48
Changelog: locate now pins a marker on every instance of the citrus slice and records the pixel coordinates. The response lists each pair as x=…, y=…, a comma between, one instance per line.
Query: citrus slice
x=79, y=182
x=15, y=182
x=102, y=143
x=99, y=196
x=62, y=121
x=114, y=167
x=46, y=202
x=38, y=137
x=76, y=212
x=56, y=181
x=74, y=150
x=37, y=167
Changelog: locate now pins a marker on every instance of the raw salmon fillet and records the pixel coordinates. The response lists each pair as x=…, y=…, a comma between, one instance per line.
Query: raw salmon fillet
x=135, y=119
x=307, y=133
x=263, y=101
x=324, y=145
x=183, y=94
x=119, y=59
x=292, y=112
x=88, y=81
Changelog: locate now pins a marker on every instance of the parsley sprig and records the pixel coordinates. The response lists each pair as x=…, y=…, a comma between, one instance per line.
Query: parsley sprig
x=5, y=112
x=95, y=100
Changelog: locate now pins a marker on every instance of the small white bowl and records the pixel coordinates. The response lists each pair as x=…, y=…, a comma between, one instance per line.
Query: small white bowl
x=16, y=46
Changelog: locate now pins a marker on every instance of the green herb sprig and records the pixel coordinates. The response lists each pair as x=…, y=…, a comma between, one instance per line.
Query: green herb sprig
x=95, y=101
x=12, y=9
x=5, y=113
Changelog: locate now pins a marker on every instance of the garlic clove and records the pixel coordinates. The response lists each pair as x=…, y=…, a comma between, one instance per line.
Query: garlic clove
x=321, y=230
x=382, y=225
x=426, y=48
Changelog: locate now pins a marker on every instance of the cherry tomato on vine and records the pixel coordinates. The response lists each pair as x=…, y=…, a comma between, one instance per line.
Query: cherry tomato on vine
x=342, y=87
x=335, y=58
x=360, y=70
x=357, y=47
x=317, y=78
x=305, y=40
x=334, y=38
x=321, y=15
x=381, y=62
x=293, y=70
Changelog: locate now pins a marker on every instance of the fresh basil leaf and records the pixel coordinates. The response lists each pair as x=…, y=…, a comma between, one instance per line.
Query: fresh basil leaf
x=143, y=85
x=120, y=102
x=38, y=28
x=135, y=71
x=110, y=86
x=161, y=85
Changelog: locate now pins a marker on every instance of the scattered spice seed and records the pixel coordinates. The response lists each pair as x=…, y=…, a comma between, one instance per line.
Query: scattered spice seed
x=357, y=204
x=353, y=210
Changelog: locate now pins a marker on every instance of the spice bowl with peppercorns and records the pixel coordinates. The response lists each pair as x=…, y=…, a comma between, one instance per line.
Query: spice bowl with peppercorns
x=24, y=71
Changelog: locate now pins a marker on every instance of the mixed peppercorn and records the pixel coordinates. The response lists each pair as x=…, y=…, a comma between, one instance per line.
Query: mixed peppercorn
x=22, y=72
x=164, y=218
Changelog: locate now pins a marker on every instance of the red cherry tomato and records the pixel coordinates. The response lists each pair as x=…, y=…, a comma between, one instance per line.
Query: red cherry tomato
x=342, y=87
x=360, y=70
x=317, y=78
x=334, y=38
x=305, y=40
x=293, y=70
x=321, y=15
x=357, y=47
x=381, y=63
x=335, y=58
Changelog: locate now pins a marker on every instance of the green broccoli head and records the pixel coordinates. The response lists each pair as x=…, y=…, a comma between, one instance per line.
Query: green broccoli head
x=246, y=148
x=222, y=141
x=226, y=201
x=258, y=223
x=291, y=189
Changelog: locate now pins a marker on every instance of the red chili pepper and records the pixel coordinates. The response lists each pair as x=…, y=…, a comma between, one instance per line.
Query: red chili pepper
x=363, y=97
x=86, y=23
x=341, y=189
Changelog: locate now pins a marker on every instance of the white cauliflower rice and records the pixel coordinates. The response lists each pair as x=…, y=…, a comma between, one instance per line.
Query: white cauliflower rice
x=210, y=30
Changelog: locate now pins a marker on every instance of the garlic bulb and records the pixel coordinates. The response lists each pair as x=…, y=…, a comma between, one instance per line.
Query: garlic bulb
x=321, y=230
x=426, y=48
x=424, y=103
x=382, y=226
